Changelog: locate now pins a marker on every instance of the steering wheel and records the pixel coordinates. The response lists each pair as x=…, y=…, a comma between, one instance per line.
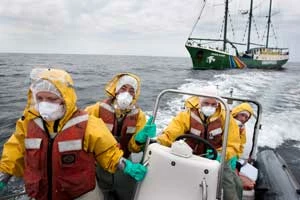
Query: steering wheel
x=199, y=140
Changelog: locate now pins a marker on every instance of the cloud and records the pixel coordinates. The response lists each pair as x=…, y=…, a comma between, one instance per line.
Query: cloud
x=139, y=17
x=33, y=15
x=102, y=26
x=136, y=16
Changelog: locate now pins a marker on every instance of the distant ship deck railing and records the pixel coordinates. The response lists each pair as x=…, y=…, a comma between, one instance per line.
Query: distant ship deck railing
x=269, y=51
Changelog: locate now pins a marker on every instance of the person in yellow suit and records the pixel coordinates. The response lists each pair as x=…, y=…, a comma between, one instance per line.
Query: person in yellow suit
x=205, y=117
x=127, y=122
x=242, y=113
x=55, y=144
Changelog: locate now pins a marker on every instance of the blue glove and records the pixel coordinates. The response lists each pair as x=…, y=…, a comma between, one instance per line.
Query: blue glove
x=209, y=154
x=135, y=170
x=232, y=162
x=149, y=130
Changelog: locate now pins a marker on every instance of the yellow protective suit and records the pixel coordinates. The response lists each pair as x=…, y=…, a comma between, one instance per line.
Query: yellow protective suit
x=110, y=89
x=97, y=140
x=181, y=124
x=239, y=108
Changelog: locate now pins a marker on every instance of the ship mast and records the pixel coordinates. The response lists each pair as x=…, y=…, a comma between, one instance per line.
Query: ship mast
x=225, y=25
x=250, y=22
x=269, y=22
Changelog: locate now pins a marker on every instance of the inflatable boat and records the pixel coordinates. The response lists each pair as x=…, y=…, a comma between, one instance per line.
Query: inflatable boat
x=175, y=174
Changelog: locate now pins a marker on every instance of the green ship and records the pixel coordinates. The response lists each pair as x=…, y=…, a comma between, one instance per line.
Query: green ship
x=219, y=57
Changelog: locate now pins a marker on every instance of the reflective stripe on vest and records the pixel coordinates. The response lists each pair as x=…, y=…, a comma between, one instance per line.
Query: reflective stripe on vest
x=75, y=120
x=195, y=131
x=215, y=132
x=72, y=169
x=196, y=117
x=39, y=122
x=110, y=126
x=107, y=107
x=212, y=132
x=33, y=143
x=70, y=123
x=133, y=112
x=130, y=129
x=71, y=145
x=107, y=114
x=196, y=128
x=125, y=130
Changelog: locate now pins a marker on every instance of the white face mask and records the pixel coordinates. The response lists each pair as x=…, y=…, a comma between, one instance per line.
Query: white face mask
x=208, y=110
x=51, y=111
x=124, y=100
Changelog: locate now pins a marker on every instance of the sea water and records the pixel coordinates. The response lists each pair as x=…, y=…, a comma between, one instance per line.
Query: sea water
x=277, y=91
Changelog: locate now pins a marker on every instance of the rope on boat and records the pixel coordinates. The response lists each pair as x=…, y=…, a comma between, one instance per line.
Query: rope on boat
x=204, y=2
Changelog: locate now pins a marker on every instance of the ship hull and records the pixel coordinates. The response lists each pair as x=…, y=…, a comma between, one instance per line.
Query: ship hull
x=264, y=64
x=204, y=58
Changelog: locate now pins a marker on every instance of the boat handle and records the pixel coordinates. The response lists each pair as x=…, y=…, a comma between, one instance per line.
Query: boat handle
x=204, y=189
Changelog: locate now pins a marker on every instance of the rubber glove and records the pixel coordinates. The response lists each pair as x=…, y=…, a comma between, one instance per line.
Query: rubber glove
x=2, y=186
x=4, y=178
x=149, y=130
x=135, y=170
x=232, y=162
x=209, y=154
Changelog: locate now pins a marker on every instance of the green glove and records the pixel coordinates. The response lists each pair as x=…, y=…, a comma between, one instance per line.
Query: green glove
x=135, y=170
x=232, y=162
x=149, y=130
x=3, y=188
x=4, y=178
x=209, y=154
x=2, y=185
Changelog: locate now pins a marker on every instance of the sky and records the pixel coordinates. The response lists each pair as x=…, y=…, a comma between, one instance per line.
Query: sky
x=117, y=27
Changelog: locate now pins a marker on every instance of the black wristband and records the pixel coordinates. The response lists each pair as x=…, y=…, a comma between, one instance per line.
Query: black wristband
x=138, y=143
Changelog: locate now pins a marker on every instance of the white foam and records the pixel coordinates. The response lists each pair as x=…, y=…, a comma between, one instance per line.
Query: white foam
x=279, y=122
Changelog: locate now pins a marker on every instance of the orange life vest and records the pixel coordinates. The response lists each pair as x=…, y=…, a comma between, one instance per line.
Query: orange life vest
x=122, y=129
x=211, y=132
x=58, y=168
